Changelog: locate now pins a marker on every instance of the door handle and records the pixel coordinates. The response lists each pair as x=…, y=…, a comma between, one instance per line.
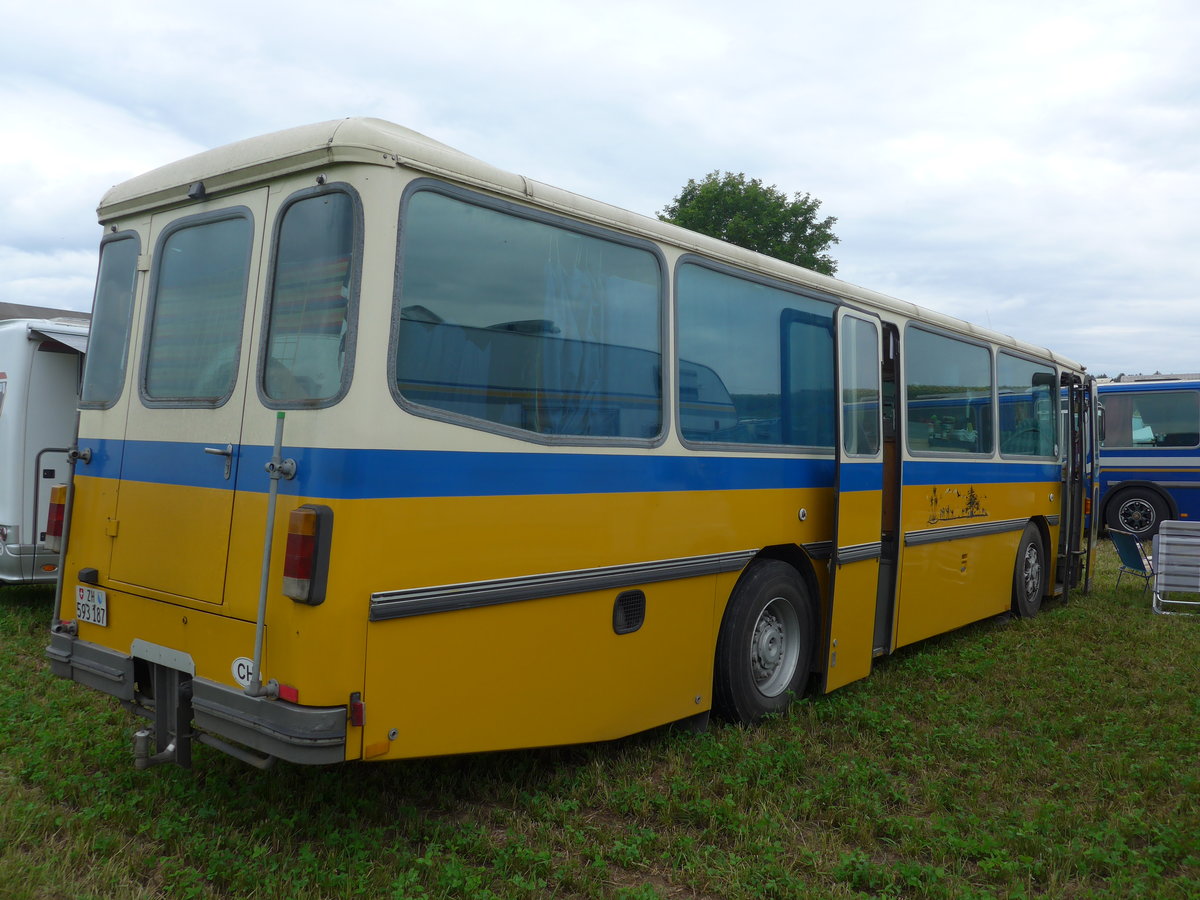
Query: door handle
x=227, y=452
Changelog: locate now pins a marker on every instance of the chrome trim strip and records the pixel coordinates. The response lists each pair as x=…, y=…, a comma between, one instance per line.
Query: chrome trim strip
x=959, y=532
x=1151, y=462
x=858, y=553
x=1112, y=485
x=451, y=597
x=1052, y=520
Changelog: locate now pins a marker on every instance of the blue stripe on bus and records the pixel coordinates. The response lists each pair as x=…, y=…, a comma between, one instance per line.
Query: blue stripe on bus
x=861, y=476
x=361, y=474
x=936, y=472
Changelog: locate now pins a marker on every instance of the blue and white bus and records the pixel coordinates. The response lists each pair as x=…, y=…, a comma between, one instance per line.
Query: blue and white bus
x=1150, y=454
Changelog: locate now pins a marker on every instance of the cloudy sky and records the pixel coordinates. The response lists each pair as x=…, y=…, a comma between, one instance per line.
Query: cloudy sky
x=1030, y=165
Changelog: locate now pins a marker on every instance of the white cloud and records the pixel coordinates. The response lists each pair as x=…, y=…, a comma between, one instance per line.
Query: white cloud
x=1032, y=165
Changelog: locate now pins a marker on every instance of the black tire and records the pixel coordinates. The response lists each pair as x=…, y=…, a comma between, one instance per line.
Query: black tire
x=1029, y=574
x=1137, y=510
x=765, y=646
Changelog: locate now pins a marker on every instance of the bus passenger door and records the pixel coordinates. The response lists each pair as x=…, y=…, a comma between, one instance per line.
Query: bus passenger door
x=1077, y=537
x=1091, y=479
x=858, y=491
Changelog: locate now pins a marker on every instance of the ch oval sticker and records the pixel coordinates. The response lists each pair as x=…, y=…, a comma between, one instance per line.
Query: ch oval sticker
x=243, y=670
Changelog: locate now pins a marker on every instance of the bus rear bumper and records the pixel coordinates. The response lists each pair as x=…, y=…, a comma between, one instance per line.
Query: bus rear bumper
x=199, y=707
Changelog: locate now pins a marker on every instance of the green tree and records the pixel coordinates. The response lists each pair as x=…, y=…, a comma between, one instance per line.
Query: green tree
x=743, y=211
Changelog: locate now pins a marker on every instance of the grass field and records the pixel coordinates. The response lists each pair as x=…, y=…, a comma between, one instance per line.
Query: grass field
x=1054, y=757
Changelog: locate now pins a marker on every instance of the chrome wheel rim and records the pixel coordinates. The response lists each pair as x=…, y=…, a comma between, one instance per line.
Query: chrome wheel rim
x=1032, y=571
x=775, y=647
x=1136, y=515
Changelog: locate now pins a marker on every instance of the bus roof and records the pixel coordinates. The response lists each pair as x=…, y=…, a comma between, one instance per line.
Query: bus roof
x=377, y=142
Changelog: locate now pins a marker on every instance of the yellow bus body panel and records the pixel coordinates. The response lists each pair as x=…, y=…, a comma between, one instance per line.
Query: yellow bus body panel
x=951, y=583
x=174, y=536
x=566, y=676
x=539, y=672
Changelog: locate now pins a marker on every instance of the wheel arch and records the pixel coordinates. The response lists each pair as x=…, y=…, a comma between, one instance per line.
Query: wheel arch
x=736, y=683
x=1116, y=490
x=800, y=560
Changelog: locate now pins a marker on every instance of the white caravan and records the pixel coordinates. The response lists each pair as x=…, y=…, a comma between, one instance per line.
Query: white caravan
x=40, y=365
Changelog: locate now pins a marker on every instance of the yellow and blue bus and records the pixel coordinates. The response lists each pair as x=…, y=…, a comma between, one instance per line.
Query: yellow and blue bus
x=387, y=453
x=1150, y=454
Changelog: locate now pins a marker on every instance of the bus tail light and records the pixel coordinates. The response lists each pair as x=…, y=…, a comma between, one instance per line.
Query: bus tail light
x=58, y=510
x=289, y=693
x=306, y=563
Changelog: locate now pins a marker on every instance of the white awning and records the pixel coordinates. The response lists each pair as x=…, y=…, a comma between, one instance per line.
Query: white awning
x=74, y=338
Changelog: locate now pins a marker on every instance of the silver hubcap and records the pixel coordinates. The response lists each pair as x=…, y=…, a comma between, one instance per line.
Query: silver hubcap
x=775, y=647
x=1033, y=571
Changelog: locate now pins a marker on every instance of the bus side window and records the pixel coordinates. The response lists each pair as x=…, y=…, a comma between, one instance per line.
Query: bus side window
x=520, y=323
x=755, y=362
x=949, y=393
x=1027, y=421
x=1155, y=418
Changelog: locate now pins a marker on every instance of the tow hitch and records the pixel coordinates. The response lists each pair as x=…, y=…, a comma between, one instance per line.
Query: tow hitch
x=170, y=738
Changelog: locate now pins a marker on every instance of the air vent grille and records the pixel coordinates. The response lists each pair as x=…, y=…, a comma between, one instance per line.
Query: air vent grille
x=629, y=612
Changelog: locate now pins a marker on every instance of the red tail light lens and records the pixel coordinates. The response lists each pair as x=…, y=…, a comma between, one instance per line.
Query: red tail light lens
x=306, y=561
x=58, y=512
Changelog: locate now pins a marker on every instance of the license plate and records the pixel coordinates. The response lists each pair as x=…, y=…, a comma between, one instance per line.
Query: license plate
x=91, y=606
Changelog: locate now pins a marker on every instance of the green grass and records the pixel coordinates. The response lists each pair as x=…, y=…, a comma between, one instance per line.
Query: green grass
x=1055, y=757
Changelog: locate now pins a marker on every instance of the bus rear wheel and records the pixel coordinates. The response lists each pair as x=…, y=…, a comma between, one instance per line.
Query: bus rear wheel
x=765, y=646
x=1029, y=574
x=1137, y=511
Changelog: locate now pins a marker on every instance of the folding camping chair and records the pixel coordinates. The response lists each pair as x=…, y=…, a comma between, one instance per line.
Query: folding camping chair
x=1134, y=560
x=1176, y=566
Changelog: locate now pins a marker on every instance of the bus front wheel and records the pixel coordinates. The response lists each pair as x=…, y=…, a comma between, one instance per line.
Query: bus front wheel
x=765, y=646
x=1137, y=511
x=1029, y=573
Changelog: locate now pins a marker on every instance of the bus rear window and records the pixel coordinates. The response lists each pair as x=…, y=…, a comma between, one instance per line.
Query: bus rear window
x=112, y=309
x=518, y=323
x=197, y=311
x=308, y=341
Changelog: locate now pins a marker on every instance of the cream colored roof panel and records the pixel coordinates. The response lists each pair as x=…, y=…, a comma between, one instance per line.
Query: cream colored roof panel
x=375, y=141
